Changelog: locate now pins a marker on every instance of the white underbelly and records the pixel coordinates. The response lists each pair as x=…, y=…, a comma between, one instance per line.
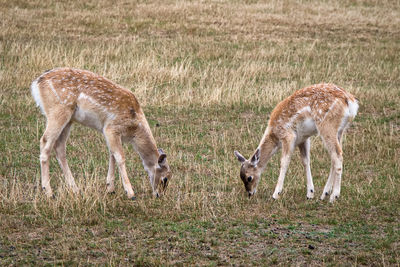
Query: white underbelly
x=88, y=118
x=305, y=129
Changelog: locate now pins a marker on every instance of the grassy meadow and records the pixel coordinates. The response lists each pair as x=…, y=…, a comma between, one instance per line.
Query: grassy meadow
x=207, y=74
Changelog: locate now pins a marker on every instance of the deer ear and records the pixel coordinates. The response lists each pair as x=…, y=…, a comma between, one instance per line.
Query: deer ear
x=162, y=159
x=239, y=156
x=255, y=158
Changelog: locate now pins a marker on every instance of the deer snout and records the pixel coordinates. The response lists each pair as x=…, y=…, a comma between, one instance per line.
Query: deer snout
x=252, y=193
x=164, y=183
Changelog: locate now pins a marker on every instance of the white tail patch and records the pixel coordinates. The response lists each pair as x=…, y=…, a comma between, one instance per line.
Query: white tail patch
x=353, y=108
x=36, y=95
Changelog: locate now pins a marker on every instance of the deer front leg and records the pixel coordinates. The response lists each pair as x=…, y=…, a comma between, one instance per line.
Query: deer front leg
x=111, y=175
x=115, y=146
x=305, y=159
x=287, y=150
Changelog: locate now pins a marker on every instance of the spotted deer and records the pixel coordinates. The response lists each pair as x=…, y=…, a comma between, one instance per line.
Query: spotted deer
x=323, y=109
x=65, y=95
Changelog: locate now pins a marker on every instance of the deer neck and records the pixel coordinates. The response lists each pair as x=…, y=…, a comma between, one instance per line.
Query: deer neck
x=268, y=147
x=146, y=147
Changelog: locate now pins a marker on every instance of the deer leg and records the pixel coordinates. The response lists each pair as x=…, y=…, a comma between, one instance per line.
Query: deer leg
x=60, y=148
x=338, y=168
x=335, y=176
x=53, y=130
x=115, y=146
x=329, y=183
x=305, y=159
x=337, y=164
x=111, y=175
x=287, y=150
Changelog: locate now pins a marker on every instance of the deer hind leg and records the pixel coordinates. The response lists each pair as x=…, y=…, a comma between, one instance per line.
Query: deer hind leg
x=334, y=148
x=60, y=148
x=329, y=183
x=111, y=175
x=337, y=162
x=338, y=169
x=287, y=150
x=115, y=146
x=55, y=126
x=305, y=159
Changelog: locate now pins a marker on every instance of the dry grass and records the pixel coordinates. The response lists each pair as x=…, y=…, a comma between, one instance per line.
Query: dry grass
x=208, y=73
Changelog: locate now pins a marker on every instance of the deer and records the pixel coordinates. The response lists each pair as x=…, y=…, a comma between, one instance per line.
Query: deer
x=321, y=109
x=67, y=95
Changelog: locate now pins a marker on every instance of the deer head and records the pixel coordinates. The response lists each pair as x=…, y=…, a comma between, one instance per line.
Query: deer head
x=162, y=173
x=250, y=172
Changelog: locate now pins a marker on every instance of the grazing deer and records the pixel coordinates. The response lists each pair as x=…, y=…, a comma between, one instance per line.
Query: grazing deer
x=323, y=109
x=65, y=95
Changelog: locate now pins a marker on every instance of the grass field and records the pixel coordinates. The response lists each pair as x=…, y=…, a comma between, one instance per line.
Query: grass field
x=207, y=74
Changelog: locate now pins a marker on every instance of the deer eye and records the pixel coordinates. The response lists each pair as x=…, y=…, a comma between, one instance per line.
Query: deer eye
x=249, y=179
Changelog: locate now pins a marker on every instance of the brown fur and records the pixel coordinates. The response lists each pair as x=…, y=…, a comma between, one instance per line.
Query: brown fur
x=324, y=107
x=68, y=95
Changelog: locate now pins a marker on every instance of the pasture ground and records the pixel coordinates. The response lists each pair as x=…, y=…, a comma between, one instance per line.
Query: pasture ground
x=207, y=74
